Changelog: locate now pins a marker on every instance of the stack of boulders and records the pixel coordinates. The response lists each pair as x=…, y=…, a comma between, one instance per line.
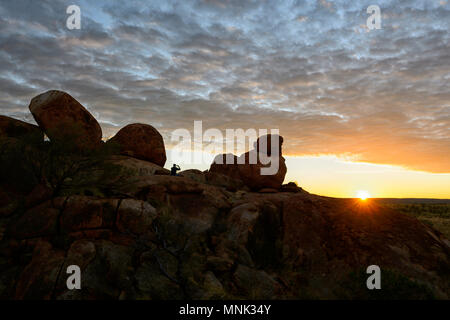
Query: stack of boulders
x=249, y=166
x=63, y=118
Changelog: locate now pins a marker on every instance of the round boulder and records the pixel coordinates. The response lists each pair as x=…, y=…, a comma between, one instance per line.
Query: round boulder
x=264, y=144
x=63, y=118
x=141, y=141
x=259, y=176
x=226, y=164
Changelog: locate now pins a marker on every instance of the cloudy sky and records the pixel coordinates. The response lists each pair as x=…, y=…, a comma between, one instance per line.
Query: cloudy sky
x=312, y=69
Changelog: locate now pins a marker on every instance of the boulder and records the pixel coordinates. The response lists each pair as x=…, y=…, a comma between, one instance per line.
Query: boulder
x=156, y=276
x=13, y=128
x=253, y=168
x=225, y=181
x=63, y=118
x=264, y=144
x=135, y=216
x=83, y=212
x=291, y=187
x=39, y=194
x=128, y=166
x=255, y=178
x=39, y=221
x=141, y=141
x=81, y=253
x=226, y=164
x=242, y=219
x=38, y=278
x=255, y=283
x=194, y=174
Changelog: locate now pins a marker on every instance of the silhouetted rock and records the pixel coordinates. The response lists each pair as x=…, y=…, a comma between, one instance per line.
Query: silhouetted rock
x=13, y=128
x=268, y=190
x=194, y=174
x=141, y=141
x=252, y=174
x=230, y=183
x=174, y=237
x=249, y=167
x=134, y=167
x=264, y=144
x=63, y=118
x=291, y=187
x=226, y=164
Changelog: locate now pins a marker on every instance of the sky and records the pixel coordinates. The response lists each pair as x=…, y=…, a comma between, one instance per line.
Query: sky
x=359, y=109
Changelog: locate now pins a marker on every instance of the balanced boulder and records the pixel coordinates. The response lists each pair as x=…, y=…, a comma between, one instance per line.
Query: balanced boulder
x=259, y=175
x=264, y=144
x=226, y=164
x=141, y=141
x=63, y=118
x=257, y=169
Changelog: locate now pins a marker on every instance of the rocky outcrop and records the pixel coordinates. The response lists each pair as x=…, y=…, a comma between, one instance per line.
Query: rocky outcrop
x=181, y=238
x=139, y=233
x=253, y=175
x=13, y=128
x=250, y=167
x=63, y=118
x=141, y=141
x=135, y=167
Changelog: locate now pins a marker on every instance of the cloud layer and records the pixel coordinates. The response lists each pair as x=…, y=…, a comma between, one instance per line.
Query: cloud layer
x=310, y=68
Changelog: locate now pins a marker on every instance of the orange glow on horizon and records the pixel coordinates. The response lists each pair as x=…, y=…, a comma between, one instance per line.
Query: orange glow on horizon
x=335, y=177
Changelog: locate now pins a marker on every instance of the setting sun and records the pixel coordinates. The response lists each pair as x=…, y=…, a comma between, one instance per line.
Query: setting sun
x=362, y=194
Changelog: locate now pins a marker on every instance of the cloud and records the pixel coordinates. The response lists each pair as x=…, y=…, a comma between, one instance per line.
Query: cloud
x=305, y=67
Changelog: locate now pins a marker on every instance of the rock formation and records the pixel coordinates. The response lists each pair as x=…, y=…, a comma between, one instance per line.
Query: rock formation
x=141, y=141
x=143, y=234
x=250, y=173
x=63, y=118
x=13, y=128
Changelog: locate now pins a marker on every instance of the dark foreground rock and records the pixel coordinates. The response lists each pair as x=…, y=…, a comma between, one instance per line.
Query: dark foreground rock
x=13, y=128
x=135, y=232
x=184, y=238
